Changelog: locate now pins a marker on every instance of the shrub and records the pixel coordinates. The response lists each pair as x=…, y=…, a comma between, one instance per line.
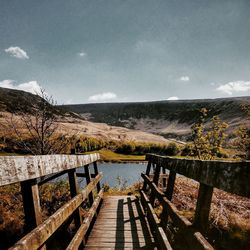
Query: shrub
x=172, y=149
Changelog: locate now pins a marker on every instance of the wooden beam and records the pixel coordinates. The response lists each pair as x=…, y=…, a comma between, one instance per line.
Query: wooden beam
x=80, y=234
x=156, y=177
x=203, y=207
x=43, y=180
x=196, y=239
x=88, y=180
x=39, y=235
x=157, y=231
x=170, y=186
x=31, y=204
x=95, y=174
x=233, y=177
x=74, y=190
x=21, y=168
x=147, y=173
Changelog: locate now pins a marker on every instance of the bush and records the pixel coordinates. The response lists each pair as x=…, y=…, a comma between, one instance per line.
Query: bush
x=187, y=150
x=172, y=149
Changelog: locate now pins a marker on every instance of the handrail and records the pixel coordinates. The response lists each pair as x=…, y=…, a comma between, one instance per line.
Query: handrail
x=21, y=168
x=230, y=176
x=33, y=171
x=193, y=237
x=37, y=237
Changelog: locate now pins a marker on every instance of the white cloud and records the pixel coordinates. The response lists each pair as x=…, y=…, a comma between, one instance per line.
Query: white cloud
x=17, y=52
x=32, y=86
x=103, y=97
x=185, y=78
x=173, y=98
x=231, y=87
x=82, y=54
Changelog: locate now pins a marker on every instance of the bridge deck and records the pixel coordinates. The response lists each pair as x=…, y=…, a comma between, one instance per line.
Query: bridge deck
x=121, y=224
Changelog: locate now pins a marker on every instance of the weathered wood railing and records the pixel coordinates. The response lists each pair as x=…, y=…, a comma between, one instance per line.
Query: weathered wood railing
x=32, y=171
x=233, y=177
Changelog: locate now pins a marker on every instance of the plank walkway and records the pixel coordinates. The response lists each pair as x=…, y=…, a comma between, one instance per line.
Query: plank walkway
x=121, y=224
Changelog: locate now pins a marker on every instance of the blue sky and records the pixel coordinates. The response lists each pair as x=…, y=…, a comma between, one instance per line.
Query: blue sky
x=126, y=50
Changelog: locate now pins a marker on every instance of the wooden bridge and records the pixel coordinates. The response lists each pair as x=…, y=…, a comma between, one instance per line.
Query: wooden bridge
x=120, y=222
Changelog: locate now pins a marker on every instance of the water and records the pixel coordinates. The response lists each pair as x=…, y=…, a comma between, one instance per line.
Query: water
x=127, y=172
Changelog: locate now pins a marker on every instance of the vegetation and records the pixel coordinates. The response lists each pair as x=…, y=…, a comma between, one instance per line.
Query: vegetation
x=229, y=214
x=36, y=128
x=52, y=195
x=242, y=140
x=183, y=111
x=207, y=143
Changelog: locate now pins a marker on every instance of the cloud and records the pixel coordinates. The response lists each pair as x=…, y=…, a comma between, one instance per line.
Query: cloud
x=82, y=54
x=32, y=86
x=173, y=98
x=231, y=87
x=17, y=52
x=185, y=78
x=103, y=97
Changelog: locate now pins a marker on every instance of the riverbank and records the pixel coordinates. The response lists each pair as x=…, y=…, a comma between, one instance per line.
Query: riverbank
x=110, y=156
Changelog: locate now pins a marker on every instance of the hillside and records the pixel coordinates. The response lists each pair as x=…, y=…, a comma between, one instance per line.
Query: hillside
x=168, y=118
x=12, y=101
x=149, y=121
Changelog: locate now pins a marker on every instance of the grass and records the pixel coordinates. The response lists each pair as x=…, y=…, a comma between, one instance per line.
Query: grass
x=108, y=155
x=8, y=154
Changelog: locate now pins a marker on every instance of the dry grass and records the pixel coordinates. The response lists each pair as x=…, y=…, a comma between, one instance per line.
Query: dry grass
x=229, y=214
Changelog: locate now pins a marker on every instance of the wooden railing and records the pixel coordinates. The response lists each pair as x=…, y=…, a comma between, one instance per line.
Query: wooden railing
x=33, y=171
x=233, y=177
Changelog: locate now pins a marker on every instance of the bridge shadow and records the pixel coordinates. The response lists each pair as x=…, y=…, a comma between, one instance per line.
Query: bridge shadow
x=132, y=230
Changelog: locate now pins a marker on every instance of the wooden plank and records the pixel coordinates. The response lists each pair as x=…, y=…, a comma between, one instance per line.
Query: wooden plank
x=117, y=245
x=20, y=168
x=114, y=232
x=39, y=235
x=121, y=248
x=123, y=226
x=233, y=177
x=81, y=232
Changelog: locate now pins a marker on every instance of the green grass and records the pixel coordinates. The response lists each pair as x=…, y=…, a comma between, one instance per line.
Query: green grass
x=108, y=155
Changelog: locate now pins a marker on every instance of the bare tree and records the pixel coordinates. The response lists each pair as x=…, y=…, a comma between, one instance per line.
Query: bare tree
x=36, y=126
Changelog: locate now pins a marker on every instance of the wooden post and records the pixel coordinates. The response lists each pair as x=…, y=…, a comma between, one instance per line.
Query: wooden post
x=203, y=207
x=98, y=186
x=74, y=190
x=88, y=179
x=31, y=204
x=169, y=194
x=157, y=174
x=156, y=181
x=170, y=185
x=147, y=173
x=164, y=178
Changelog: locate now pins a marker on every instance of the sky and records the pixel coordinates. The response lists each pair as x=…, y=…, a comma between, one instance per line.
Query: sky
x=83, y=51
